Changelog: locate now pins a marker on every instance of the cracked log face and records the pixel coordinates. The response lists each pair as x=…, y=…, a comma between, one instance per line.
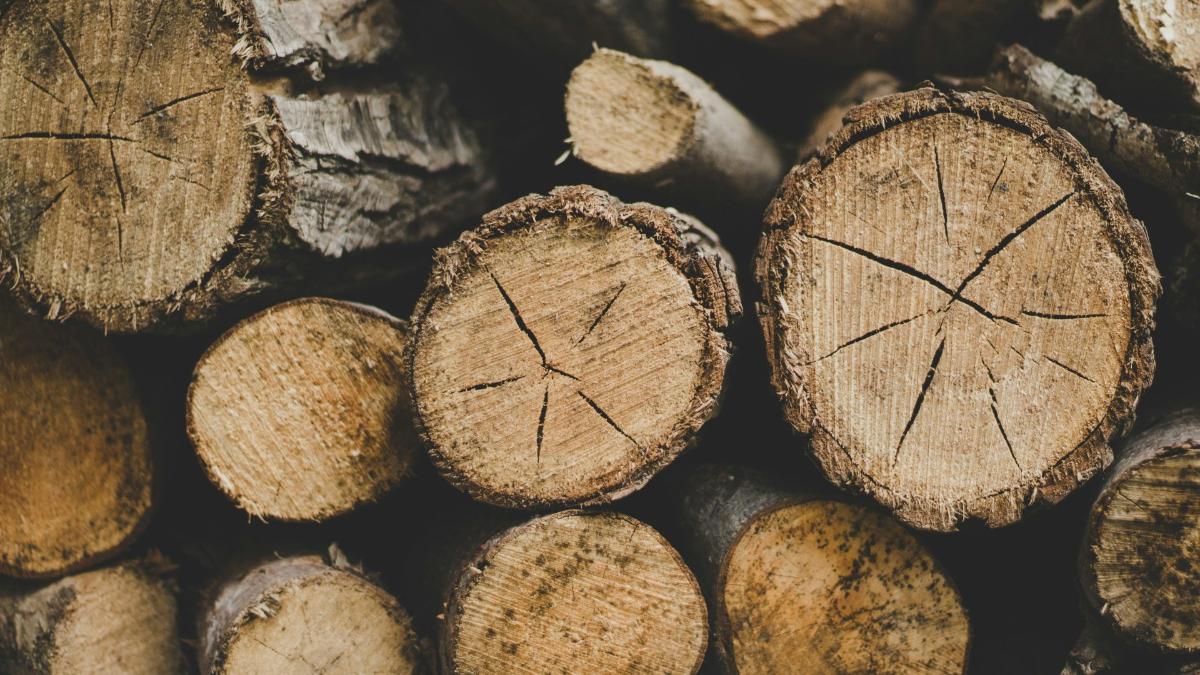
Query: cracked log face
x=575, y=592
x=958, y=307
x=568, y=349
x=77, y=478
x=298, y=412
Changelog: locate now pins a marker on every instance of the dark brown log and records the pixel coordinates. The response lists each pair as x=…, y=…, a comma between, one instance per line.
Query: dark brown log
x=959, y=36
x=865, y=86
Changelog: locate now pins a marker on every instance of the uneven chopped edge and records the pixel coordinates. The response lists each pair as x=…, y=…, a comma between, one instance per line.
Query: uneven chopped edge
x=247, y=422
x=619, y=577
x=1128, y=235
x=711, y=282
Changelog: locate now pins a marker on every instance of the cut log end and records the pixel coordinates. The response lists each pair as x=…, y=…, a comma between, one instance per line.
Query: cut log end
x=77, y=478
x=841, y=588
x=576, y=592
x=568, y=349
x=298, y=412
x=945, y=323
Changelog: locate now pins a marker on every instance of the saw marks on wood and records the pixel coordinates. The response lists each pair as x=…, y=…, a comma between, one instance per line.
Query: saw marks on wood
x=842, y=589
x=576, y=592
x=298, y=412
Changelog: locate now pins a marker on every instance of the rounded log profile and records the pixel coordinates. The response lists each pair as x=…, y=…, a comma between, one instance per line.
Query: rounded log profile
x=1140, y=549
x=809, y=578
x=299, y=411
x=302, y=612
x=77, y=478
x=863, y=87
x=574, y=592
x=849, y=32
x=661, y=126
x=958, y=307
x=117, y=619
x=569, y=348
x=148, y=171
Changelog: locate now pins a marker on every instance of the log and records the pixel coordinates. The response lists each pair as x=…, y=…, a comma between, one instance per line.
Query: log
x=926, y=323
x=299, y=411
x=76, y=483
x=795, y=576
x=569, y=348
x=119, y=619
x=959, y=36
x=1140, y=52
x=1137, y=565
x=656, y=125
x=147, y=175
x=1181, y=301
x=573, y=592
x=310, y=612
x=863, y=87
x=845, y=32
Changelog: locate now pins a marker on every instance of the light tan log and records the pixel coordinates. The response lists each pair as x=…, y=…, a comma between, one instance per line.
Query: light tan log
x=145, y=174
x=77, y=472
x=569, y=348
x=299, y=412
x=574, y=592
x=926, y=321
x=660, y=126
x=863, y=87
x=119, y=619
x=307, y=614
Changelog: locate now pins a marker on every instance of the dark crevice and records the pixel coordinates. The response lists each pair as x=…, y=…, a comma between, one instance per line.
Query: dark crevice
x=996, y=181
x=489, y=385
x=937, y=163
x=120, y=241
x=149, y=33
x=604, y=415
x=50, y=135
x=1069, y=369
x=871, y=333
x=999, y=424
x=886, y=262
x=603, y=312
x=112, y=154
x=560, y=371
x=74, y=64
x=1048, y=315
x=176, y=101
x=191, y=181
x=516, y=314
x=43, y=90
x=541, y=429
x=933, y=364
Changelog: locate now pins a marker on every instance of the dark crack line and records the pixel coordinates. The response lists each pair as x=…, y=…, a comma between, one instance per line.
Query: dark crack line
x=612, y=423
x=149, y=33
x=516, y=314
x=1067, y=368
x=53, y=136
x=560, y=371
x=869, y=334
x=1000, y=425
x=74, y=64
x=541, y=428
x=44, y=210
x=1048, y=315
x=603, y=312
x=174, y=102
x=191, y=181
x=996, y=181
x=42, y=89
x=489, y=385
x=120, y=241
x=937, y=357
x=161, y=156
x=112, y=154
x=937, y=164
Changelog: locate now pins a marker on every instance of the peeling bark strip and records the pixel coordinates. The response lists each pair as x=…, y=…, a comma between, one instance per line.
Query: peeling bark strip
x=196, y=179
x=76, y=483
x=322, y=427
x=573, y=592
x=659, y=125
x=517, y=408
x=957, y=306
x=305, y=613
x=1143, y=538
x=119, y=619
x=796, y=577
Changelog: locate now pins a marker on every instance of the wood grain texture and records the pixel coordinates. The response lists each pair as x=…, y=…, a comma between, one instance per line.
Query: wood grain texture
x=568, y=349
x=958, y=307
x=299, y=413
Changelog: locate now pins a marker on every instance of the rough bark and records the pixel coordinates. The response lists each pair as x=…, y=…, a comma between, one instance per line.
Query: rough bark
x=966, y=364
x=659, y=126
x=298, y=412
x=569, y=348
x=574, y=592
x=76, y=481
x=1182, y=298
x=146, y=175
x=959, y=36
x=865, y=86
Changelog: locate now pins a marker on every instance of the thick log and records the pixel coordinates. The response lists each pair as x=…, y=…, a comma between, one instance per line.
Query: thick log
x=569, y=348
x=925, y=322
x=865, y=86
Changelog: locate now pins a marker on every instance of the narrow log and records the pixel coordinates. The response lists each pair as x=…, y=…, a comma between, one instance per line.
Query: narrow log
x=808, y=577
x=659, y=126
x=865, y=86
x=144, y=174
x=77, y=476
x=574, y=592
x=299, y=413
x=307, y=612
x=569, y=348
x=119, y=619
x=926, y=323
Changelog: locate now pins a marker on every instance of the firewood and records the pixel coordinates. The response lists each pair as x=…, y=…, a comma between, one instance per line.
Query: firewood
x=307, y=612
x=568, y=348
x=959, y=36
x=76, y=469
x=863, y=87
x=574, y=592
x=847, y=32
x=298, y=412
x=658, y=125
x=1181, y=300
x=146, y=174
x=119, y=619
x=1138, y=557
x=957, y=307
x=807, y=577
